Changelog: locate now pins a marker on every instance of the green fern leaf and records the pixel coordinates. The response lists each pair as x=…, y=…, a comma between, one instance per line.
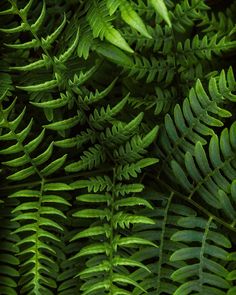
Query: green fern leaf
x=64, y=124
x=100, y=23
x=160, y=7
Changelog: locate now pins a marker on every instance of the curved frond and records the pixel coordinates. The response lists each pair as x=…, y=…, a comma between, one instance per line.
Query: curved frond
x=213, y=177
x=198, y=117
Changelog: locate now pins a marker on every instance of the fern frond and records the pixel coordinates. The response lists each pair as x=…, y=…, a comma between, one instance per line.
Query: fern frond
x=109, y=223
x=38, y=242
x=48, y=60
x=94, y=184
x=220, y=23
x=186, y=12
x=165, y=214
x=77, y=141
x=53, y=104
x=108, y=281
x=64, y=124
x=120, y=131
x=131, y=170
x=200, y=113
x=160, y=102
x=23, y=13
x=94, y=200
x=212, y=177
x=88, y=97
x=26, y=149
x=6, y=85
x=203, y=49
x=90, y=159
x=135, y=148
x=31, y=214
x=161, y=69
x=48, y=41
x=84, y=76
x=86, y=40
x=207, y=275
x=97, y=120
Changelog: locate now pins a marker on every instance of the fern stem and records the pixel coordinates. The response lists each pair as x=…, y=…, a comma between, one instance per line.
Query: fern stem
x=37, y=261
x=111, y=256
x=162, y=238
x=201, y=257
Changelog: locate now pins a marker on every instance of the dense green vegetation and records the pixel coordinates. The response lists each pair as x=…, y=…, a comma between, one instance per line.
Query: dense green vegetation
x=117, y=147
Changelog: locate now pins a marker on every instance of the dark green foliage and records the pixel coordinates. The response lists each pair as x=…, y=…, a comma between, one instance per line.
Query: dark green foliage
x=117, y=147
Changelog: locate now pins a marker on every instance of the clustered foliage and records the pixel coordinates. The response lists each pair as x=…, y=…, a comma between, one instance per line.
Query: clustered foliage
x=118, y=147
